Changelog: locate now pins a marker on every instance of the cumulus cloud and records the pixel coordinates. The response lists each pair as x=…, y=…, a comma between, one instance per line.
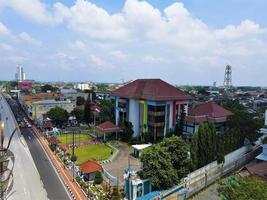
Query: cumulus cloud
x=100, y=62
x=32, y=9
x=153, y=59
x=3, y=29
x=78, y=45
x=118, y=55
x=27, y=38
x=141, y=35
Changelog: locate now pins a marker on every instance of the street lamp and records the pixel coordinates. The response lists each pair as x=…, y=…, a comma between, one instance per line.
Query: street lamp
x=7, y=160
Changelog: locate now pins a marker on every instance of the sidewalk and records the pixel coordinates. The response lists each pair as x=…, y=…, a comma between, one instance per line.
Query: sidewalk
x=73, y=188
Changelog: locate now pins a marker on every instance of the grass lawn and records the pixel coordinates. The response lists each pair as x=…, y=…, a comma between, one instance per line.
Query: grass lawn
x=92, y=152
x=67, y=138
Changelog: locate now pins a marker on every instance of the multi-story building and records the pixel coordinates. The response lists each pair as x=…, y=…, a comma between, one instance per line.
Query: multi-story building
x=84, y=86
x=206, y=112
x=39, y=108
x=151, y=105
x=20, y=75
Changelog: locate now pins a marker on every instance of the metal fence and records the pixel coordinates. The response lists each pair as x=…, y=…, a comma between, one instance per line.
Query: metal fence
x=208, y=174
x=213, y=171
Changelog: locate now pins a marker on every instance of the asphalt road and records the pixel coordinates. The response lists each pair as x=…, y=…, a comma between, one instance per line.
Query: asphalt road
x=27, y=183
x=49, y=181
x=49, y=177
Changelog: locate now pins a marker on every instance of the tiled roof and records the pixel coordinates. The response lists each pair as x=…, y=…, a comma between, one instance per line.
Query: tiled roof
x=108, y=127
x=151, y=89
x=54, y=140
x=209, y=111
x=90, y=167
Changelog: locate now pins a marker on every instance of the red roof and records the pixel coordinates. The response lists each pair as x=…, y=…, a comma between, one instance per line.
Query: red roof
x=107, y=127
x=151, y=89
x=54, y=140
x=209, y=111
x=90, y=167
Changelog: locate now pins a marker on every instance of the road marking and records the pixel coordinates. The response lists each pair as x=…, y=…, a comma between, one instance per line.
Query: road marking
x=29, y=137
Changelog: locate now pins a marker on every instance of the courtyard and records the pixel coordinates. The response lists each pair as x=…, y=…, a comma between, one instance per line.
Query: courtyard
x=67, y=138
x=96, y=152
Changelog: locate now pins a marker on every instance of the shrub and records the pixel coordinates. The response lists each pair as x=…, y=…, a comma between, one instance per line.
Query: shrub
x=98, y=178
x=73, y=158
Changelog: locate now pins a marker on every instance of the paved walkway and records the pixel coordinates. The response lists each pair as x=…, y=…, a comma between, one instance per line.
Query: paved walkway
x=210, y=193
x=67, y=178
x=121, y=161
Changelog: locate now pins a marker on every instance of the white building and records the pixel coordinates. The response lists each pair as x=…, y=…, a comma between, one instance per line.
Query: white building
x=38, y=108
x=83, y=86
x=20, y=75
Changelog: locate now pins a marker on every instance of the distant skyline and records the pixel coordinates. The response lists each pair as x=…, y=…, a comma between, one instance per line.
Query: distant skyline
x=185, y=42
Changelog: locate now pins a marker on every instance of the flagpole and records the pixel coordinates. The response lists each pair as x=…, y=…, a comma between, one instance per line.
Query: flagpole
x=94, y=123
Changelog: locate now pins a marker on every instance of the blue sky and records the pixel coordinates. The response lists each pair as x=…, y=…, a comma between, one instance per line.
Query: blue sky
x=182, y=42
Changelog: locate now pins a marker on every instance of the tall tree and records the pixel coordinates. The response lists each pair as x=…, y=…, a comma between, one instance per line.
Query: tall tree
x=180, y=125
x=78, y=113
x=107, y=112
x=166, y=163
x=58, y=115
x=88, y=116
x=127, y=131
x=157, y=166
x=204, y=146
x=80, y=101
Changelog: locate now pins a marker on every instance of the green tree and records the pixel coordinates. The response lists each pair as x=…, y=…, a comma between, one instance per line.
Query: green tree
x=166, y=163
x=78, y=113
x=47, y=87
x=80, y=101
x=179, y=149
x=58, y=115
x=244, y=188
x=157, y=166
x=101, y=87
x=107, y=111
x=204, y=146
x=88, y=115
x=98, y=178
x=179, y=128
x=242, y=121
x=127, y=131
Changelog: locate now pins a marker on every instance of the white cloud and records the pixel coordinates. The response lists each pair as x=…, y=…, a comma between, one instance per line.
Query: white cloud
x=153, y=59
x=6, y=47
x=27, y=38
x=100, y=62
x=78, y=45
x=246, y=27
x=119, y=55
x=172, y=37
x=33, y=9
x=87, y=18
x=3, y=29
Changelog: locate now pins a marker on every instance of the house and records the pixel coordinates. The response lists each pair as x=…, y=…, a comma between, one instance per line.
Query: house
x=89, y=169
x=206, y=112
x=151, y=105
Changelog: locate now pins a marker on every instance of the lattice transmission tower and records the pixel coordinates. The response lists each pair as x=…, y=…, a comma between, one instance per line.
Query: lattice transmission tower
x=228, y=77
